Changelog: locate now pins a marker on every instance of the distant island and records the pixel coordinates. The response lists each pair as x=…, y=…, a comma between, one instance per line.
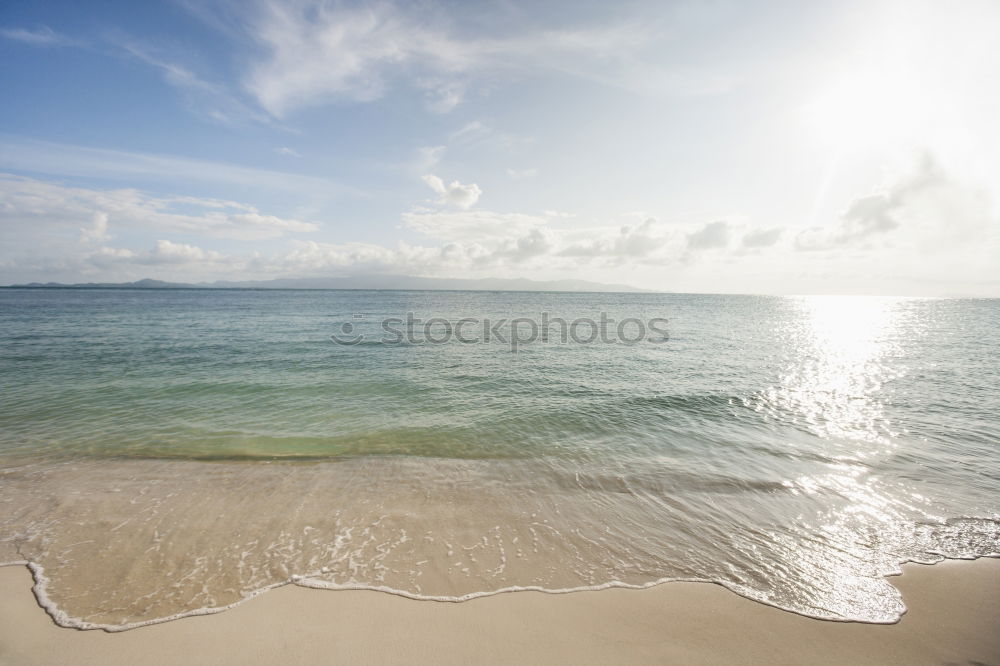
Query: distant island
x=360, y=282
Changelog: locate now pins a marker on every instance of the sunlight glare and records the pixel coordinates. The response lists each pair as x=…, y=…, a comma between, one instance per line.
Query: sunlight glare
x=866, y=110
x=835, y=387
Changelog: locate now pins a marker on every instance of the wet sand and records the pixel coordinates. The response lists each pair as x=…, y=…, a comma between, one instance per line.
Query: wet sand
x=953, y=618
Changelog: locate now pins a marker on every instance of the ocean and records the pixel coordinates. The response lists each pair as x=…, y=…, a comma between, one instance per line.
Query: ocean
x=165, y=453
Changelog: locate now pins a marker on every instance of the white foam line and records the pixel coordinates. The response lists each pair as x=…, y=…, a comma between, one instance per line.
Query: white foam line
x=64, y=620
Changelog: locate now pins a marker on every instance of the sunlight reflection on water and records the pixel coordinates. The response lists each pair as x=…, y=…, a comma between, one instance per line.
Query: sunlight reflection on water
x=836, y=387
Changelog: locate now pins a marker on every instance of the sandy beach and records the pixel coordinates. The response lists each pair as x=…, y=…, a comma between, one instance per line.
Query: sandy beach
x=953, y=617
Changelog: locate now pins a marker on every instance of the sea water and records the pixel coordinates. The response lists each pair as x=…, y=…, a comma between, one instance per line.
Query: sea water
x=173, y=452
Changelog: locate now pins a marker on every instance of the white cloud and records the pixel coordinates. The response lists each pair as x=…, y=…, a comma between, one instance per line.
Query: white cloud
x=70, y=160
x=497, y=239
x=760, y=238
x=30, y=206
x=174, y=73
x=932, y=207
x=167, y=252
x=98, y=231
x=712, y=236
x=479, y=135
x=210, y=100
x=315, y=52
x=633, y=242
x=42, y=36
x=49, y=231
x=428, y=157
x=517, y=174
x=470, y=131
x=213, y=101
x=471, y=226
x=315, y=258
x=538, y=242
x=164, y=253
x=442, y=96
x=108, y=256
x=285, y=150
x=454, y=193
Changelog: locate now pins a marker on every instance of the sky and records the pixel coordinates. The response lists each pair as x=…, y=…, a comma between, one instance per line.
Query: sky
x=739, y=147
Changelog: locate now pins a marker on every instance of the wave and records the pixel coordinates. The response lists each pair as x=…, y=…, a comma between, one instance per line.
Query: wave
x=63, y=619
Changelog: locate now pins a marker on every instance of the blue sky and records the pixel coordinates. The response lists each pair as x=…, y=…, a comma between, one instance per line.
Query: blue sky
x=773, y=147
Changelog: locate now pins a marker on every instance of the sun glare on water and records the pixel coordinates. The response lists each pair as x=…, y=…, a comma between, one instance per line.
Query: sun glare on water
x=835, y=387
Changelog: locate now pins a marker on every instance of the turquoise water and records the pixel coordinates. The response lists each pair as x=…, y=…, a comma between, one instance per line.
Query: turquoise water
x=793, y=449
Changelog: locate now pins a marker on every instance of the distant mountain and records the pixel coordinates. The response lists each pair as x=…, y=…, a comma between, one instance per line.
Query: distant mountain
x=385, y=282
x=138, y=284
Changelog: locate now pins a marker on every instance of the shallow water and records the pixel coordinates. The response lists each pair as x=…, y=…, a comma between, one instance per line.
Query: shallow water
x=167, y=452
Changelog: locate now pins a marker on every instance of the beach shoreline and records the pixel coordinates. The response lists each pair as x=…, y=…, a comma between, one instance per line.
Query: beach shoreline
x=953, y=617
